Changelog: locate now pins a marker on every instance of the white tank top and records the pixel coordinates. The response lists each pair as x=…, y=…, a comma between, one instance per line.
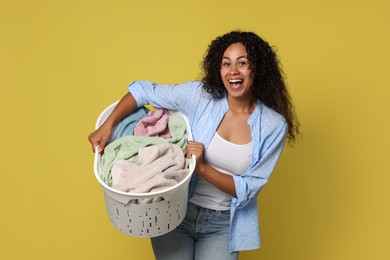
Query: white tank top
x=228, y=158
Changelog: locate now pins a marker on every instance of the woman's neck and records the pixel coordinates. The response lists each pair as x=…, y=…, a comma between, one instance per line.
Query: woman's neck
x=241, y=105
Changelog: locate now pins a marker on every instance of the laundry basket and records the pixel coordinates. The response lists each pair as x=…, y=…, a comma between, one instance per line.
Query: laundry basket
x=130, y=213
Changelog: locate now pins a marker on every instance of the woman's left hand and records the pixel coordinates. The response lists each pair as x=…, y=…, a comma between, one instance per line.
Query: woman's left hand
x=196, y=149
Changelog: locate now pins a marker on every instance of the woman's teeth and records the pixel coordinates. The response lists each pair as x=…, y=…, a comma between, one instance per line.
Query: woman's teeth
x=235, y=83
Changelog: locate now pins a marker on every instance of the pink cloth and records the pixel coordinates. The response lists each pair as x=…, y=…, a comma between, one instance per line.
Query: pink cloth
x=154, y=124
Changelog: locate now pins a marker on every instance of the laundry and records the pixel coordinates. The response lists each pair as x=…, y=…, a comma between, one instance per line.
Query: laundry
x=127, y=124
x=158, y=167
x=126, y=147
x=154, y=124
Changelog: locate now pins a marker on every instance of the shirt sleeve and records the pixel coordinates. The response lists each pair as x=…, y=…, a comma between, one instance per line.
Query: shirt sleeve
x=174, y=97
x=249, y=184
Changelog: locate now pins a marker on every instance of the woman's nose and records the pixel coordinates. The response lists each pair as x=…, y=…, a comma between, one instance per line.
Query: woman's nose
x=233, y=70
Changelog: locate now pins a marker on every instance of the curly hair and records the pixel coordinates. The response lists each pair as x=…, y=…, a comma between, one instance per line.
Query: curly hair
x=268, y=78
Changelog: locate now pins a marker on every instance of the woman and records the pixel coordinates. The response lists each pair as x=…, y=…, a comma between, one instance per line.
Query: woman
x=240, y=115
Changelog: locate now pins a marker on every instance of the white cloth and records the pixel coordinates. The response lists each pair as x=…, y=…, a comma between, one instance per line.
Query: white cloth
x=228, y=158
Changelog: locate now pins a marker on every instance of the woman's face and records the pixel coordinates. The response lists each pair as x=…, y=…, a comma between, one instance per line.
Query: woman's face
x=235, y=71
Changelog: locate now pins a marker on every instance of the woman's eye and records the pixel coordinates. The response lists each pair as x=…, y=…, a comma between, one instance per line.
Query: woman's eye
x=242, y=63
x=226, y=64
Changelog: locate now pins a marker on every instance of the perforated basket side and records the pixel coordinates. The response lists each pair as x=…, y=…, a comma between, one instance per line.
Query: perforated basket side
x=148, y=220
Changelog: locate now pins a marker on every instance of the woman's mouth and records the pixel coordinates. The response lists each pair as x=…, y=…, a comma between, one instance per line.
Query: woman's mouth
x=235, y=83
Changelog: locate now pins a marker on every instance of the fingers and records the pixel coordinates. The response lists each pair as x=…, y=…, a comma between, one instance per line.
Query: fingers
x=102, y=144
x=195, y=148
x=100, y=137
x=97, y=141
x=93, y=141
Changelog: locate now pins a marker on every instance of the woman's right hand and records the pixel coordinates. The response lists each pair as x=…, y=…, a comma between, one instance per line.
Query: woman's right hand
x=99, y=137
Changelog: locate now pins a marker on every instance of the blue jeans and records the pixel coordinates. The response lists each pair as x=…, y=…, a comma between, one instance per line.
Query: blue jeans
x=203, y=235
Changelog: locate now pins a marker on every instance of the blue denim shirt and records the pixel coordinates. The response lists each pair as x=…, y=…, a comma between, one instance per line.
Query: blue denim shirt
x=268, y=131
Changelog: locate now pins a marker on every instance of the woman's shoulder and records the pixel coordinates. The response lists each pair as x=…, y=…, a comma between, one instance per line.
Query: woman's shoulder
x=269, y=120
x=268, y=114
x=272, y=114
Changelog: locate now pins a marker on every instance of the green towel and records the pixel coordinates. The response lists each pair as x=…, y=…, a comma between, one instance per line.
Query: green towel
x=126, y=147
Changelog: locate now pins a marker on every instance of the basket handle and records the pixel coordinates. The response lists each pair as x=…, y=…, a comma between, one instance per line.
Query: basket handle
x=97, y=160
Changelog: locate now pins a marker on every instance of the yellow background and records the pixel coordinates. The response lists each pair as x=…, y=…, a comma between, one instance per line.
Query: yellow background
x=63, y=62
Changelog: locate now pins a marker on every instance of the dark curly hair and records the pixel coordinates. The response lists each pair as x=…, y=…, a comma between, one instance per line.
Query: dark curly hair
x=268, y=78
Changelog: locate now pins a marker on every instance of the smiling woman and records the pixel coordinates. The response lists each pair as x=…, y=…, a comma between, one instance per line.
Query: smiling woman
x=240, y=116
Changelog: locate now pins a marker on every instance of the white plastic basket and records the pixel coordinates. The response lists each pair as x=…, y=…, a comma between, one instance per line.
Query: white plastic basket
x=140, y=219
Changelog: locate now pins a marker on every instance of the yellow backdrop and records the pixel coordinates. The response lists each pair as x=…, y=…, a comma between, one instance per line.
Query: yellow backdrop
x=62, y=62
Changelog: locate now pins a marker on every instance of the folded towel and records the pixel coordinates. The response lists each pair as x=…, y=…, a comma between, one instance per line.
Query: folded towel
x=158, y=167
x=127, y=124
x=126, y=147
x=154, y=124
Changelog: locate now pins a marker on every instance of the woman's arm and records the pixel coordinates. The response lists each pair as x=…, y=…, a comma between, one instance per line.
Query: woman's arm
x=250, y=183
x=101, y=135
